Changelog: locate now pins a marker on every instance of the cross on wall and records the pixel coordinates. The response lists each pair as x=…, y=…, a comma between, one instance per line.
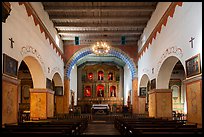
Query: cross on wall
x=11, y=39
x=191, y=41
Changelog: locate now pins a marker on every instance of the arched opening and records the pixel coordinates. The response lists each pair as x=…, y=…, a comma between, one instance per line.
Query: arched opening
x=57, y=87
x=124, y=68
x=26, y=83
x=37, y=74
x=178, y=91
x=171, y=76
x=165, y=71
x=31, y=75
x=144, y=88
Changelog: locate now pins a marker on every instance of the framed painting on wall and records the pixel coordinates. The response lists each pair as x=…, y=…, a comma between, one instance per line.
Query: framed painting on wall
x=10, y=66
x=193, y=66
x=143, y=91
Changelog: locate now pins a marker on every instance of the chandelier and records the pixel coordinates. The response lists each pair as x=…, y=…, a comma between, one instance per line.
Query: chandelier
x=100, y=48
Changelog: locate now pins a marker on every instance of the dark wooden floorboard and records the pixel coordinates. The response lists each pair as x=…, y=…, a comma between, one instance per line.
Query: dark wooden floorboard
x=101, y=128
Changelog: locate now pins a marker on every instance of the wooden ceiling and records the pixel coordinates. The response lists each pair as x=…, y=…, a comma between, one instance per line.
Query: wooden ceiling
x=93, y=21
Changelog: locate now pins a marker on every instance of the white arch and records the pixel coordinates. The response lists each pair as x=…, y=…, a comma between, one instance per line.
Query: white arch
x=144, y=80
x=57, y=79
x=165, y=71
x=36, y=71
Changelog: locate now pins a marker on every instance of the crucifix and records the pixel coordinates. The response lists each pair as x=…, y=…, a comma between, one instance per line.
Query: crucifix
x=191, y=41
x=11, y=39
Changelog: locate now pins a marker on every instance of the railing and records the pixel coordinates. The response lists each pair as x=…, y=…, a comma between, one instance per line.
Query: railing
x=70, y=116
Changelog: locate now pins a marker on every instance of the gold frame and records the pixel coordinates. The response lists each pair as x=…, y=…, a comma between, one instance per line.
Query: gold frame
x=193, y=66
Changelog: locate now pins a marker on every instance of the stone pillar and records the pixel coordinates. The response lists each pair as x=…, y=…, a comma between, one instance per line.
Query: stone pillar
x=66, y=95
x=9, y=99
x=141, y=102
x=62, y=102
x=41, y=103
x=194, y=101
x=59, y=104
x=135, y=106
x=50, y=103
x=160, y=103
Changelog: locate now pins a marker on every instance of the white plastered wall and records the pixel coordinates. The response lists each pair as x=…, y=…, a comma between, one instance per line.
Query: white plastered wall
x=73, y=84
x=38, y=7
x=186, y=23
x=156, y=16
x=29, y=41
x=127, y=83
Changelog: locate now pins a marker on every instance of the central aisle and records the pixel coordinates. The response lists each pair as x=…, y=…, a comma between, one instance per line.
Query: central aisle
x=100, y=127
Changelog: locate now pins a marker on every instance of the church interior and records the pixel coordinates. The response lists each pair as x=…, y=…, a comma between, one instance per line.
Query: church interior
x=101, y=68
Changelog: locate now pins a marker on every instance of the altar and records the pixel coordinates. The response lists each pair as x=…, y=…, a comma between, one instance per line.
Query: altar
x=100, y=109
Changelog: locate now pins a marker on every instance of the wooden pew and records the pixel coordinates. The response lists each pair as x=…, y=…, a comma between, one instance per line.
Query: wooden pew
x=134, y=126
x=61, y=127
x=163, y=130
x=45, y=129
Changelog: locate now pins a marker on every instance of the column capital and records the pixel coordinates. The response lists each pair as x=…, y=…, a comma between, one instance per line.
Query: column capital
x=159, y=91
x=41, y=90
x=134, y=78
x=66, y=78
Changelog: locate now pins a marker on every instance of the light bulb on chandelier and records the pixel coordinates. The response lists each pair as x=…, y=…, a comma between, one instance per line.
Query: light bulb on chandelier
x=100, y=48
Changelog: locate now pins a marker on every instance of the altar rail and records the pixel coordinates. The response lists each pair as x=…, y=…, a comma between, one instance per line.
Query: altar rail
x=109, y=117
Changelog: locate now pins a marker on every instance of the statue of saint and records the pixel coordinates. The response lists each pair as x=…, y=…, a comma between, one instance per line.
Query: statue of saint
x=112, y=93
x=100, y=92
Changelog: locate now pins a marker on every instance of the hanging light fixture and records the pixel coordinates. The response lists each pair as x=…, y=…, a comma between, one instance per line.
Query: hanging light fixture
x=100, y=48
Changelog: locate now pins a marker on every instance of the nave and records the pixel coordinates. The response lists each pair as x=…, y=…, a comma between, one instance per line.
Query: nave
x=112, y=124
x=67, y=64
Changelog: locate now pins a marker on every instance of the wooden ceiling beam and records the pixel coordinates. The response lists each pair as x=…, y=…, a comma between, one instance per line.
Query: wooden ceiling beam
x=117, y=24
x=85, y=18
x=100, y=32
x=97, y=8
x=84, y=38
x=91, y=43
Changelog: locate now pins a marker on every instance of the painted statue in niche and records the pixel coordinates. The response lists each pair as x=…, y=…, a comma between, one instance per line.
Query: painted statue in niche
x=110, y=76
x=87, y=92
x=100, y=75
x=113, y=91
x=100, y=91
x=90, y=76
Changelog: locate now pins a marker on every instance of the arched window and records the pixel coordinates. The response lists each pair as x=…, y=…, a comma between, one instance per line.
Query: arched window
x=100, y=75
x=175, y=93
